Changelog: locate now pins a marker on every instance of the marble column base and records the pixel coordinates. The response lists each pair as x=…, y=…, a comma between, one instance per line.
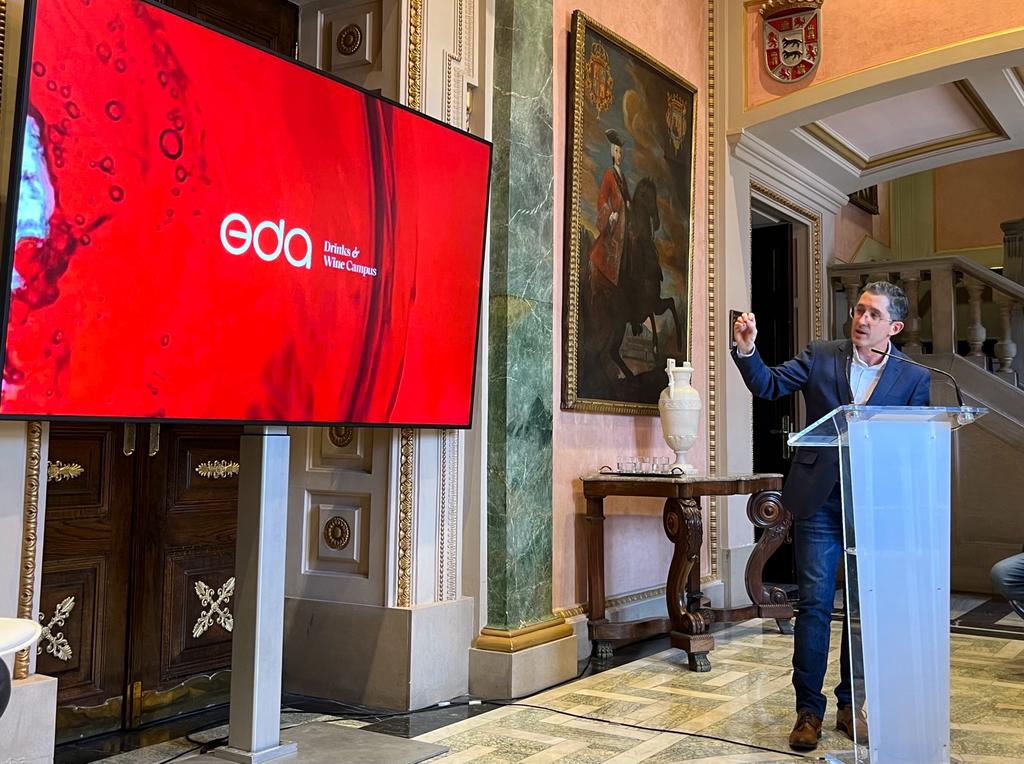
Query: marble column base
x=494, y=675
x=27, y=727
x=581, y=630
x=400, y=658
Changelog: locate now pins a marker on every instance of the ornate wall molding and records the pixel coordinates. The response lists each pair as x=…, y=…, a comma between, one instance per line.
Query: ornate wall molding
x=406, y=464
x=458, y=68
x=448, y=517
x=414, y=83
x=30, y=522
x=341, y=437
x=460, y=65
x=3, y=40
x=414, y=99
x=712, y=402
x=612, y=602
x=571, y=612
x=771, y=165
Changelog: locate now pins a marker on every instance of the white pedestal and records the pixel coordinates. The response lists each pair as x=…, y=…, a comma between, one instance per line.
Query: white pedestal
x=255, y=720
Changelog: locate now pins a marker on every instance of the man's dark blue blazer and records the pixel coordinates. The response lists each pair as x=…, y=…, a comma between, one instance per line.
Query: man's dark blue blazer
x=822, y=373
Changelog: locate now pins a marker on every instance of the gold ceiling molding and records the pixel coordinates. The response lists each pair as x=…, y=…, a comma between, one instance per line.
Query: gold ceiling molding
x=992, y=131
x=515, y=640
x=30, y=527
x=712, y=401
x=815, y=224
x=414, y=87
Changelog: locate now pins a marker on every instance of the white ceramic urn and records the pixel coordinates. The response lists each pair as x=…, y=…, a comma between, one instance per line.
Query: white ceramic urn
x=680, y=406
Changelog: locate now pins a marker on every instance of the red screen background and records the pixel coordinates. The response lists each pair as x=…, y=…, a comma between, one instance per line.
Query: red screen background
x=153, y=129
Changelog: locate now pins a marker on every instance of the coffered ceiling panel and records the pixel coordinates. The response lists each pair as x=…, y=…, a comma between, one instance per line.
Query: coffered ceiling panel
x=903, y=126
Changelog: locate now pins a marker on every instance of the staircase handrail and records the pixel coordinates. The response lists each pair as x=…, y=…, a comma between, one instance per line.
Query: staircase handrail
x=955, y=263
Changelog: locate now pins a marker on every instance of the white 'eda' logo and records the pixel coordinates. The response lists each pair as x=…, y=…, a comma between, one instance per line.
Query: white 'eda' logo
x=236, y=226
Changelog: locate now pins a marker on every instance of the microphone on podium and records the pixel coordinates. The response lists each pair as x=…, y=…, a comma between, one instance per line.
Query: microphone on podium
x=959, y=397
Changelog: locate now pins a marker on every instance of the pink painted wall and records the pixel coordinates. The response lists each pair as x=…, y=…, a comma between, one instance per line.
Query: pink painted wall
x=973, y=198
x=853, y=224
x=861, y=34
x=637, y=554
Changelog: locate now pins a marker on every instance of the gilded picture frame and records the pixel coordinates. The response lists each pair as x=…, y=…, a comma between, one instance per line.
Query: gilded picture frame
x=629, y=214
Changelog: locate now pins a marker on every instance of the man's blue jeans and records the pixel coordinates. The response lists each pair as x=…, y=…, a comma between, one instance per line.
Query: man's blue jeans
x=818, y=547
x=1008, y=578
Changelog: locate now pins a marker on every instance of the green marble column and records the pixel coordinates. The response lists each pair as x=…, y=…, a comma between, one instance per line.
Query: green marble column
x=520, y=368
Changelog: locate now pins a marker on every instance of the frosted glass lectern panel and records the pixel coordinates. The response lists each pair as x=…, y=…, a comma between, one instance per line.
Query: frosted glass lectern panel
x=895, y=477
x=828, y=430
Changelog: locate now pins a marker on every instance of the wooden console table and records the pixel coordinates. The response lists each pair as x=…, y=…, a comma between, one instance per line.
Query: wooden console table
x=689, y=615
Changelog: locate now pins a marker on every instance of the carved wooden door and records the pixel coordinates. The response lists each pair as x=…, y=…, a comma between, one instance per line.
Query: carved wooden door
x=272, y=24
x=138, y=572
x=84, y=602
x=184, y=572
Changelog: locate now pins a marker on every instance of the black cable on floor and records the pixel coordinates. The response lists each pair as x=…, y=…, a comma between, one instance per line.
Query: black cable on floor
x=660, y=729
x=179, y=755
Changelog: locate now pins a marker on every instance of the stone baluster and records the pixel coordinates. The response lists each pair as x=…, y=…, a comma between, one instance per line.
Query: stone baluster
x=879, y=276
x=912, y=330
x=1006, y=348
x=851, y=285
x=943, y=313
x=1013, y=250
x=1013, y=269
x=976, y=333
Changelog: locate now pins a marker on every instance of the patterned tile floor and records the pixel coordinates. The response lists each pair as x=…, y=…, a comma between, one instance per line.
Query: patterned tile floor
x=746, y=698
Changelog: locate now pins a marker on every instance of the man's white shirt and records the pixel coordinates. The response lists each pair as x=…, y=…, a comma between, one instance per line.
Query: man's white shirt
x=864, y=378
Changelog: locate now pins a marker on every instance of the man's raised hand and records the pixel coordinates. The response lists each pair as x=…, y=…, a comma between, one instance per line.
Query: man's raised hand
x=744, y=332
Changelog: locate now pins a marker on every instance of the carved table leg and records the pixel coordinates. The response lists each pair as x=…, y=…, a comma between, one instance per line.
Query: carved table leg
x=690, y=622
x=765, y=510
x=595, y=569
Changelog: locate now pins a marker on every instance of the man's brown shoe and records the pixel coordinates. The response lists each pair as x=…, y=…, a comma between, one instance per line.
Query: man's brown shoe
x=845, y=721
x=806, y=732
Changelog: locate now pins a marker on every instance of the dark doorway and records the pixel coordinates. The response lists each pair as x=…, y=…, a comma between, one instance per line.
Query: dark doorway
x=773, y=295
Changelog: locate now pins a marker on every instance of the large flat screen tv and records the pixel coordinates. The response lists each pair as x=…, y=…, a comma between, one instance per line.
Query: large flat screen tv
x=200, y=230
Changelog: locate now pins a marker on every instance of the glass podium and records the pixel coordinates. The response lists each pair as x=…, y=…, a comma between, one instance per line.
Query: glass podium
x=895, y=477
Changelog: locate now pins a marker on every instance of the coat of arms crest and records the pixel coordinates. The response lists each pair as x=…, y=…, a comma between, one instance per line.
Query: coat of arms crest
x=599, y=78
x=675, y=119
x=792, y=38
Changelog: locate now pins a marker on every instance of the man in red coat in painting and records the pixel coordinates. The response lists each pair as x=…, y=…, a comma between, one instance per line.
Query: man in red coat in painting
x=612, y=206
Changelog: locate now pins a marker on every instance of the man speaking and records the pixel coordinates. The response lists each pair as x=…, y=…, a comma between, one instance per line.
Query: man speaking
x=829, y=374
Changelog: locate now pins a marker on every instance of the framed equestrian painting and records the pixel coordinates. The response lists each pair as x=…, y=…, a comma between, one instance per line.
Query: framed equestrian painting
x=629, y=223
